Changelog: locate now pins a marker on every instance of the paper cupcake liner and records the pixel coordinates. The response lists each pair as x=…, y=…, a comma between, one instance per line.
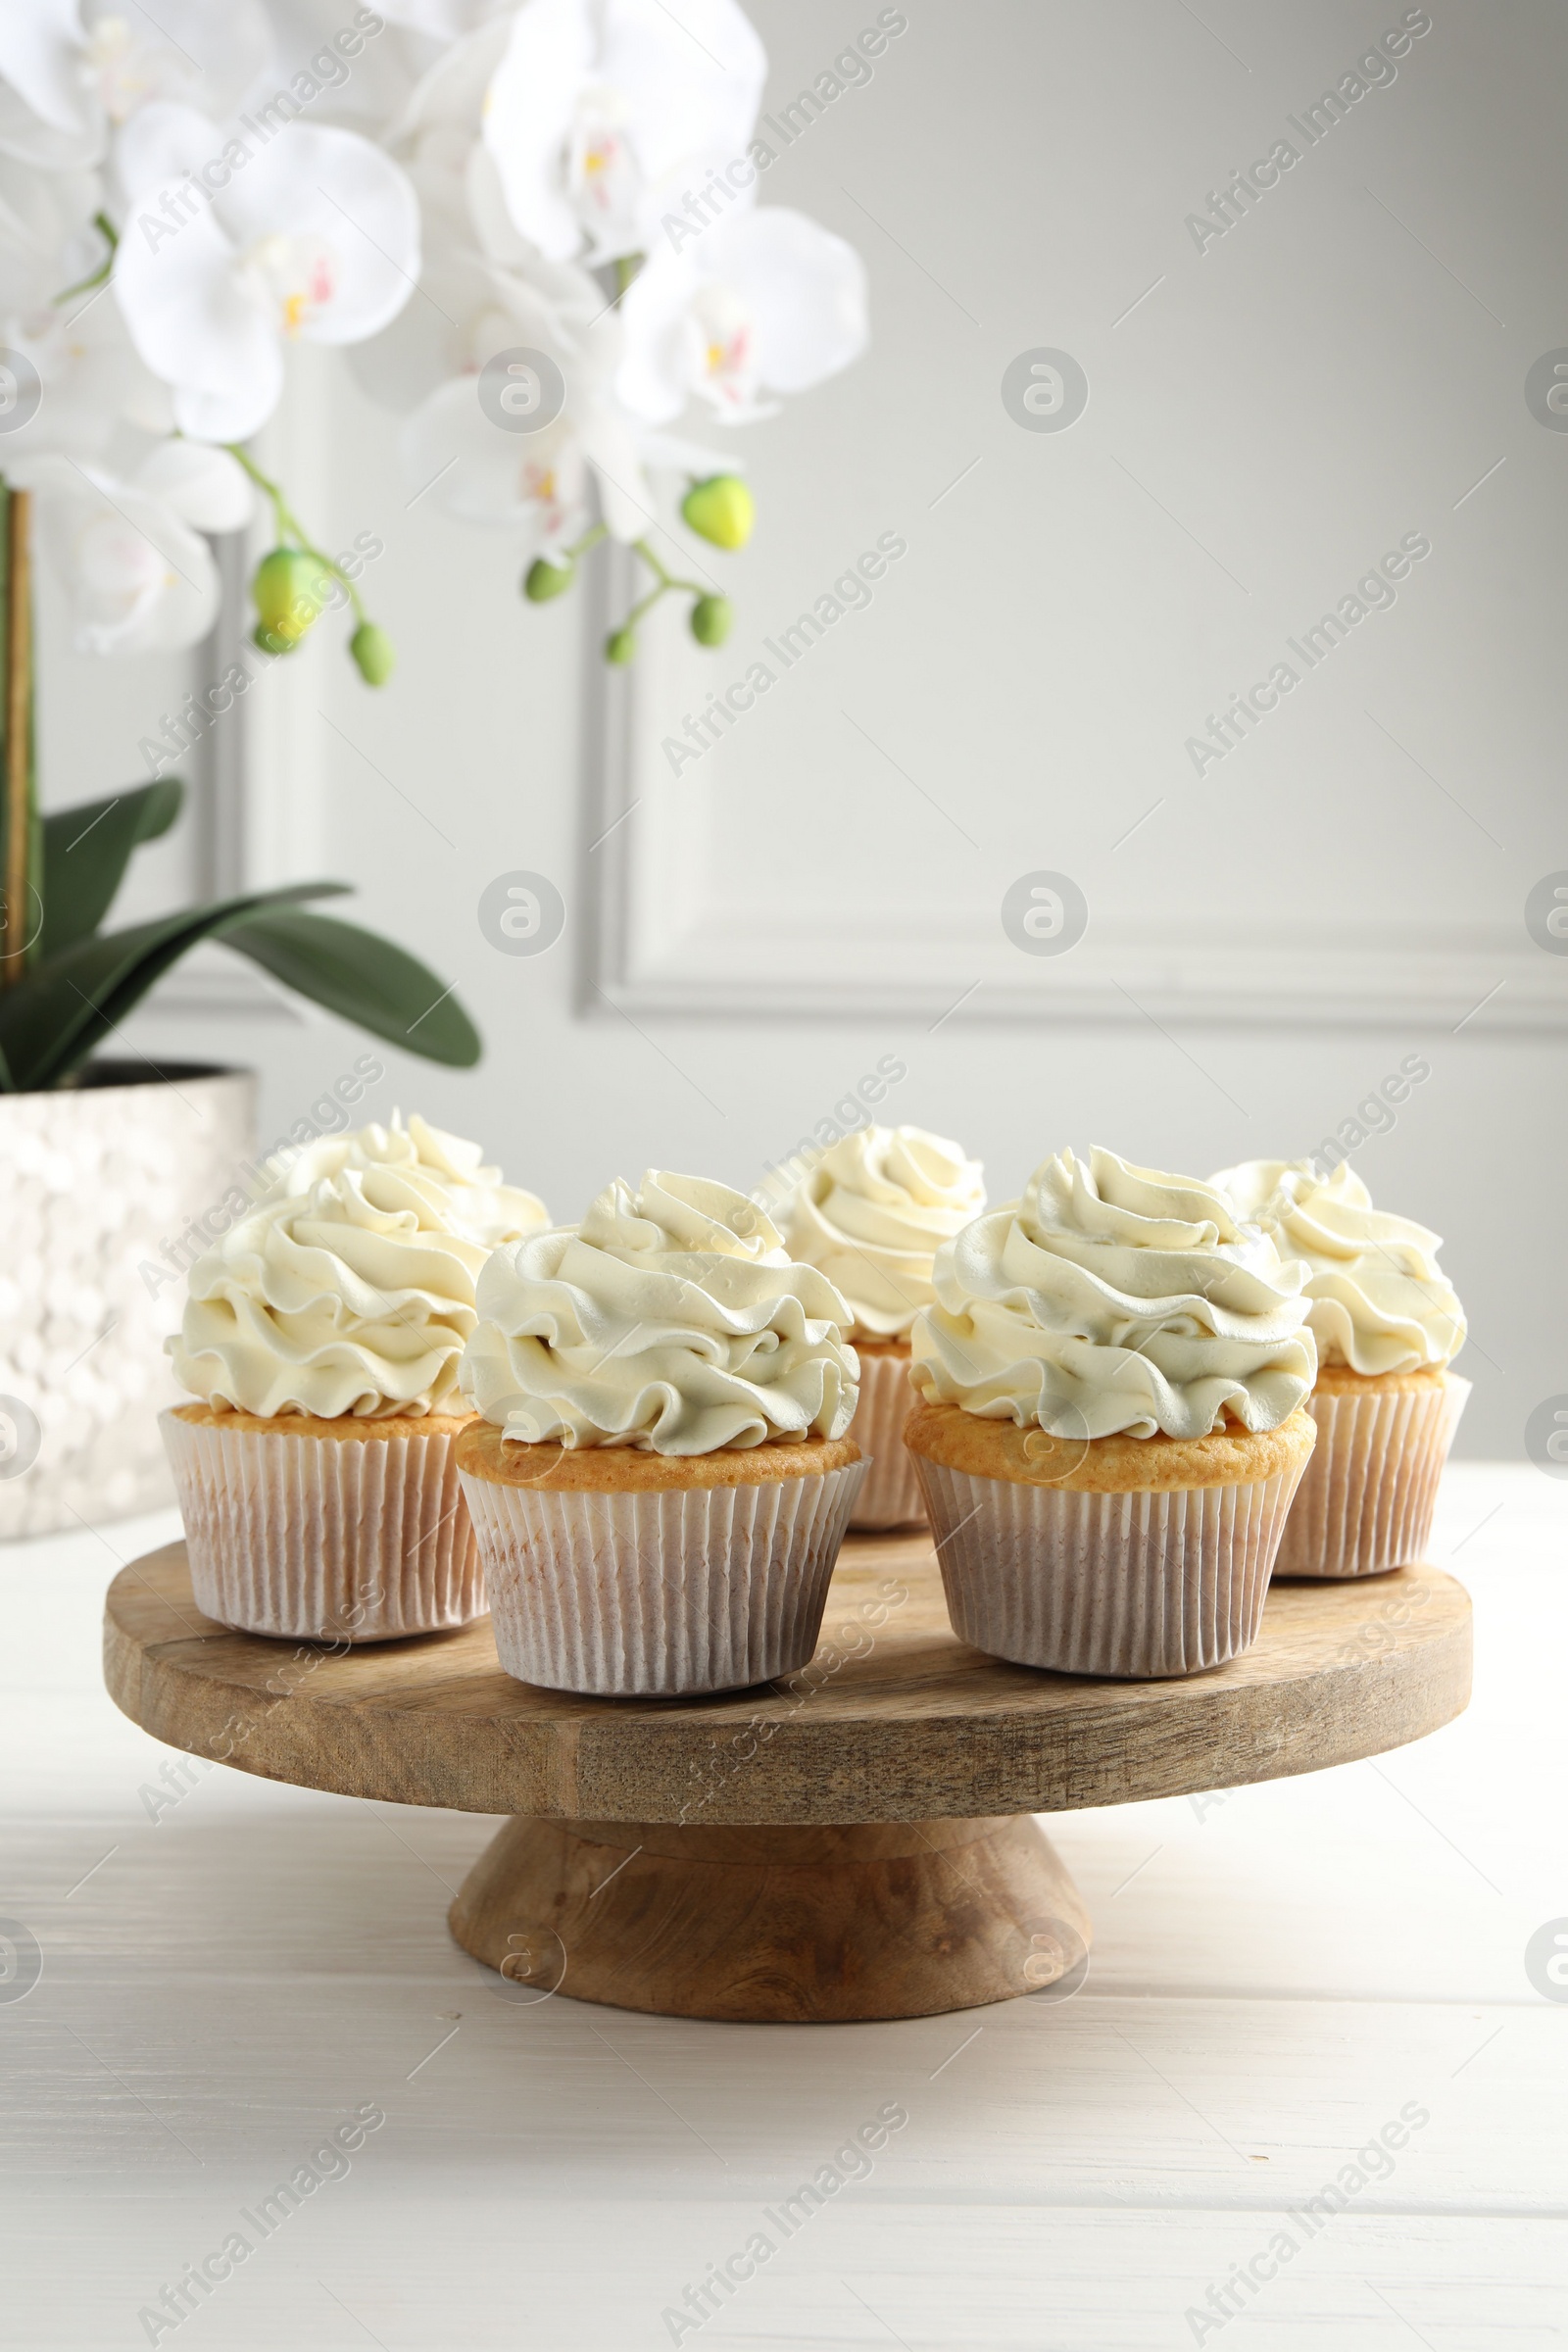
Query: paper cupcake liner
x=324, y=1538
x=1123, y=1585
x=891, y=1496
x=1366, y=1502
x=686, y=1589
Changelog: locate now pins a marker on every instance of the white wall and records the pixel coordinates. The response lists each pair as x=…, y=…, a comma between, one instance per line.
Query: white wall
x=1278, y=411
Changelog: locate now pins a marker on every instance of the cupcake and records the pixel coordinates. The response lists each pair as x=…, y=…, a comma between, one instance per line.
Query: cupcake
x=662, y=1477
x=872, y=1214
x=317, y=1475
x=1112, y=1427
x=1387, y=1325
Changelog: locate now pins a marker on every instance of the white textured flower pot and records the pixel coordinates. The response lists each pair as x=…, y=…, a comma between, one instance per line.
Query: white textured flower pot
x=95, y=1182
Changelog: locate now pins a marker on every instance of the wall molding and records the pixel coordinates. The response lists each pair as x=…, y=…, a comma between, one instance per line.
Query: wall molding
x=727, y=964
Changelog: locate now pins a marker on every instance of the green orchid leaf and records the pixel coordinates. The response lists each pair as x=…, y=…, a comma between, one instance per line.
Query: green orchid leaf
x=51, y=1020
x=86, y=850
x=366, y=979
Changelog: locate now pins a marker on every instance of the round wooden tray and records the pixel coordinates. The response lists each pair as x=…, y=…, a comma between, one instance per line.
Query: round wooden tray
x=853, y=1843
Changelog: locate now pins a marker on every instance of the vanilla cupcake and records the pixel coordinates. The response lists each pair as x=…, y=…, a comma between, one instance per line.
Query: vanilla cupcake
x=1111, y=1429
x=661, y=1479
x=872, y=1214
x=317, y=1475
x=1387, y=1325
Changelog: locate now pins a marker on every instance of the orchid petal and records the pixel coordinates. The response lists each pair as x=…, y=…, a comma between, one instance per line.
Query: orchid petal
x=317, y=237
x=692, y=71
x=610, y=442
x=527, y=116
x=137, y=578
x=163, y=144
x=480, y=474
x=206, y=487
x=452, y=93
x=804, y=290
x=90, y=378
x=764, y=299
x=594, y=105
x=40, y=45
x=67, y=74
x=335, y=192
x=196, y=324
x=196, y=52
x=653, y=377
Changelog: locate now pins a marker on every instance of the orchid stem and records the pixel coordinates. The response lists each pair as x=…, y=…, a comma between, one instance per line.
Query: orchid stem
x=290, y=526
x=646, y=603
x=667, y=579
x=107, y=230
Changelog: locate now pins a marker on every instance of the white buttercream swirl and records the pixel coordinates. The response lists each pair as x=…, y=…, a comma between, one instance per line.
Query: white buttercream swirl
x=1379, y=1303
x=348, y=1287
x=872, y=1214
x=670, y=1319
x=1116, y=1299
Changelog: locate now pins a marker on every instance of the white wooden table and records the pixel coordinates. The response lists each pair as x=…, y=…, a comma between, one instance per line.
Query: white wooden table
x=231, y=1969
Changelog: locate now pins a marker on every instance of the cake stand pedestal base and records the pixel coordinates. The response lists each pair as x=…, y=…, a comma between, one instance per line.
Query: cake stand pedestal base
x=775, y=1924
x=602, y=1887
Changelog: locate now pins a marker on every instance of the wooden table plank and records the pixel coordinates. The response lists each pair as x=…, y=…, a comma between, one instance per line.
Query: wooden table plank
x=1298, y=1960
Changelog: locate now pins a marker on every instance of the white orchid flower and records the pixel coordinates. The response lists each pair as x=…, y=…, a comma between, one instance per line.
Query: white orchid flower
x=136, y=575
x=89, y=381
x=765, y=301
x=231, y=248
x=69, y=71
x=438, y=138
x=538, y=483
x=474, y=261
x=479, y=470
x=598, y=106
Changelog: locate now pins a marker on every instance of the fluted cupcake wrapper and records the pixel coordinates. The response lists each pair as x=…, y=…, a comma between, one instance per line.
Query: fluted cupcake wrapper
x=361, y=1538
x=1123, y=1585
x=891, y=1496
x=1366, y=1502
x=676, y=1591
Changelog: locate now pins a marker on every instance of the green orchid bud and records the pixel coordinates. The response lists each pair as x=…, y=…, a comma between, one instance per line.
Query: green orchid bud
x=543, y=580
x=720, y=508
x=621, y=647
x=291, y=590
x=710, y=620
x=375, y=653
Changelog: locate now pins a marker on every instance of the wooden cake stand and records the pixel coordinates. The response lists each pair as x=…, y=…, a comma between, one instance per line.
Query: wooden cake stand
x=855, y=1842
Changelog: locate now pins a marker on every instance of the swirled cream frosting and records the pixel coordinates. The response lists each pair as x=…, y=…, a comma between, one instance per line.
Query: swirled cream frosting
x=872, y=1214
x=348, y=1287
x=1116, y=1299
x=670, y=1319
x=1379, y=1301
